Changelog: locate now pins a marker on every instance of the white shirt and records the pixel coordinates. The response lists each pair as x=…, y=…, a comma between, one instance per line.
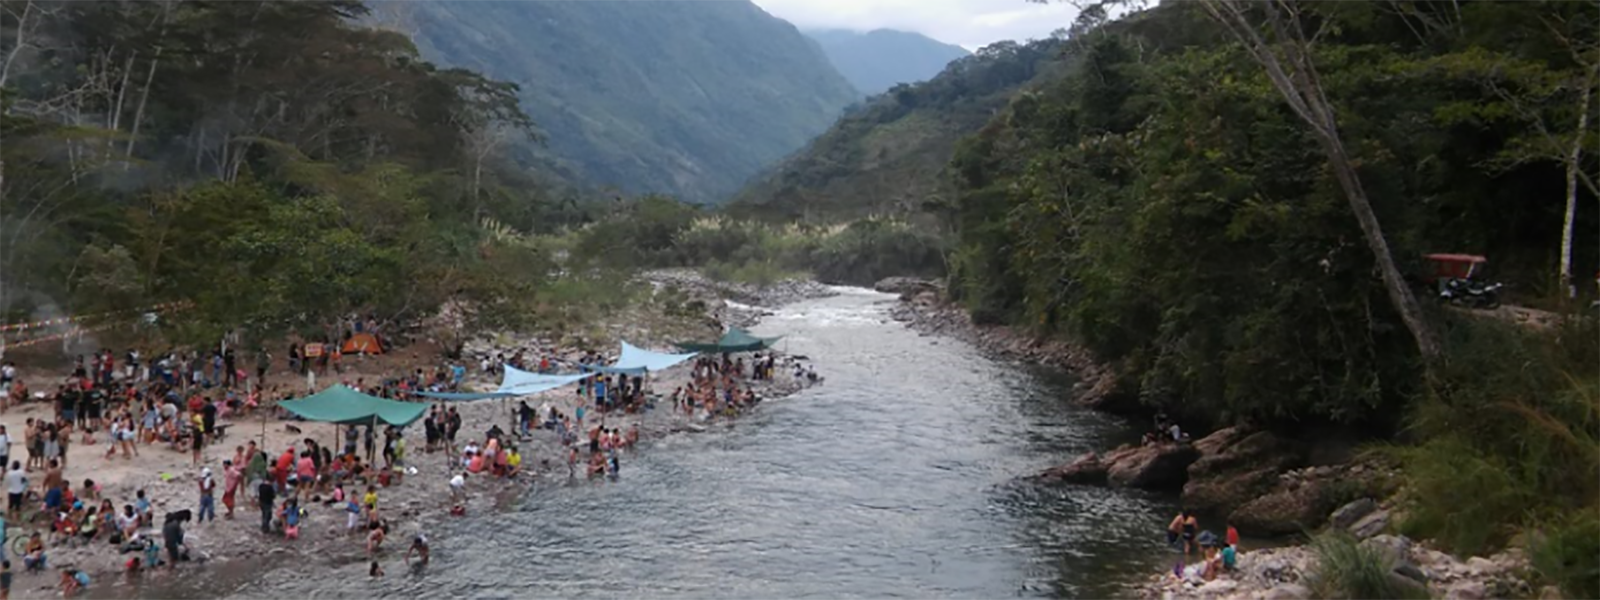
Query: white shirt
x=5, y=444
x=458, y=481
x=16, y=481
x=8, y=372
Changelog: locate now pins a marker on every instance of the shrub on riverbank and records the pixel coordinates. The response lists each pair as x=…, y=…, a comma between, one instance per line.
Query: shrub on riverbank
x=1348, y=570
x=1567, y=553
x=1508, y=442
x=857, y=253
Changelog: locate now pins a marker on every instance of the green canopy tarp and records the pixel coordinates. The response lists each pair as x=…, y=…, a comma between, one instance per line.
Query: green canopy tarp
x=342, y=405
x=735, y=340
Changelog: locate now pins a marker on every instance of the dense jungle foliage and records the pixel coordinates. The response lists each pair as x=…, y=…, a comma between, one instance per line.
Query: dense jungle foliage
x=1165, y=205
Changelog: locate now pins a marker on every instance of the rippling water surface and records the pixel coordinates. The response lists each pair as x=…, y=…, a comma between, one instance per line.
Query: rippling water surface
x=895, y=478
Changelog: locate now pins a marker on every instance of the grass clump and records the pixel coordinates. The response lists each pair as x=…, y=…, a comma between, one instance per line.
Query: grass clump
x=1567, y=553
x=1348, y=570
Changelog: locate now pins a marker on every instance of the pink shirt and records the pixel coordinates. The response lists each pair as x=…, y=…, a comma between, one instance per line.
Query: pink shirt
x=306, y=470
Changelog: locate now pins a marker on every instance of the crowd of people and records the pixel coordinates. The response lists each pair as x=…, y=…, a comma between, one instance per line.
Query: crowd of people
x=183, y=402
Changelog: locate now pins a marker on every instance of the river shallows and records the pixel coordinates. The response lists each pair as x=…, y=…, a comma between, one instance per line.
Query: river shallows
x=895, y=478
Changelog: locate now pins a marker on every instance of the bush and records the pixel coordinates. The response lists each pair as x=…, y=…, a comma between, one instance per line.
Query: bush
x=1346, y=569
x=1567, y=554
x=754, y=273
x=858, y=253
x=1504, y=428
x=1459, y=497
x=872, y=249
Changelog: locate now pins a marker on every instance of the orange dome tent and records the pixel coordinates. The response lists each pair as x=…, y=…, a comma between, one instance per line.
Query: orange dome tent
x=362, y=343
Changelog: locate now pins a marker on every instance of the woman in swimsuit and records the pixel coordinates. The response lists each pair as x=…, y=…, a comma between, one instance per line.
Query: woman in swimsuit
x=1190, y=527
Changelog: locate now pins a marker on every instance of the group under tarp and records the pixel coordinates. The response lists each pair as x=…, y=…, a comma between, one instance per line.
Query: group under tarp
x=514, y=382
x=345, y=406
x=638, y=361
x=735, y=340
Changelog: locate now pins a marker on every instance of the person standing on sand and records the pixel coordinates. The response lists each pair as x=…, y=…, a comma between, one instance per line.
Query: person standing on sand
x=263, y=363
x=255, y=470
x=16, y=488
x=30, y=438
x=208, y=503
x=197, y=437
x=231, y=476
x=452, y=427
x=5, y=446
x=266, y=494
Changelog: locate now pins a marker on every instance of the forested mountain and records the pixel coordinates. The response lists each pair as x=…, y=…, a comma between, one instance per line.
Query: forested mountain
x=270, y=165
x=877, y=60
x=688, y=98
x=888, y=155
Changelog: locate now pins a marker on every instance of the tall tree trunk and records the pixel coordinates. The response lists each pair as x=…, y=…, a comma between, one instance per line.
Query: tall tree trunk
x=1289, y=67
x=21, y=42
x=1574, y=163
x=138, y=113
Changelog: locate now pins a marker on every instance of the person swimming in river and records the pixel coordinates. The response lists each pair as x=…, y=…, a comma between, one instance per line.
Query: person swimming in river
x=419, y=546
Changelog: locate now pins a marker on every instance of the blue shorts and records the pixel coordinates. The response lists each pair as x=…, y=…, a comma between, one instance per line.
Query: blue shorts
x=52, y=498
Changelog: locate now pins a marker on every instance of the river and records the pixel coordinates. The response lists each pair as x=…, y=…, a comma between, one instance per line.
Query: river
x=894, y=478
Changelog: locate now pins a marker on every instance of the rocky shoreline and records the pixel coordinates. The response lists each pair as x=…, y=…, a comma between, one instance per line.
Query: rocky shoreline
x=922, y=308
x=1260, y=482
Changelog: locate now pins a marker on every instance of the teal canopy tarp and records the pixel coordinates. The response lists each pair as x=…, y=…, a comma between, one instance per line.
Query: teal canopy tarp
x=735, y=340
x=342, y=405
x=637, y=361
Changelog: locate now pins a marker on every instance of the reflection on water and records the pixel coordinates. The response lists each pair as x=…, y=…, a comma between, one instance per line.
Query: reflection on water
x=894, y=478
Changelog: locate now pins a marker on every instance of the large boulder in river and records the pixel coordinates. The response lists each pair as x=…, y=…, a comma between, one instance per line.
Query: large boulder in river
x=1236, y=465
x=1152, y=467
x=1086, y=469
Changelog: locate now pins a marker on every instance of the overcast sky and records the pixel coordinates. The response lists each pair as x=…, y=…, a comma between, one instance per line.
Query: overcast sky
x=969, y=23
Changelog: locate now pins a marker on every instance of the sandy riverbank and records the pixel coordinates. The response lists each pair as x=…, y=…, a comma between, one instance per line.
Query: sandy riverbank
x=410, y=506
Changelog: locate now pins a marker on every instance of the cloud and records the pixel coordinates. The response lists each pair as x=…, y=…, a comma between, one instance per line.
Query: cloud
x=968, y=23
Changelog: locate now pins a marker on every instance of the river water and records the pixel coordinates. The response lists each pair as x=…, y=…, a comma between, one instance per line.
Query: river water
x=894, y=478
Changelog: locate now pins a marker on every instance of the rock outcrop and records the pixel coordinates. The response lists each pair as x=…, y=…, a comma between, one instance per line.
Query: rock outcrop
x=1087, y=469
x=1351, y=512
x=1283, y=511
x=1153, y=467
x=1236, y=465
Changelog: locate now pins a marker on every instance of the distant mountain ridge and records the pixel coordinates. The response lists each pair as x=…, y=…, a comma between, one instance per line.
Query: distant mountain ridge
x=681, y=97
x=877, y=60
x=889, y=155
